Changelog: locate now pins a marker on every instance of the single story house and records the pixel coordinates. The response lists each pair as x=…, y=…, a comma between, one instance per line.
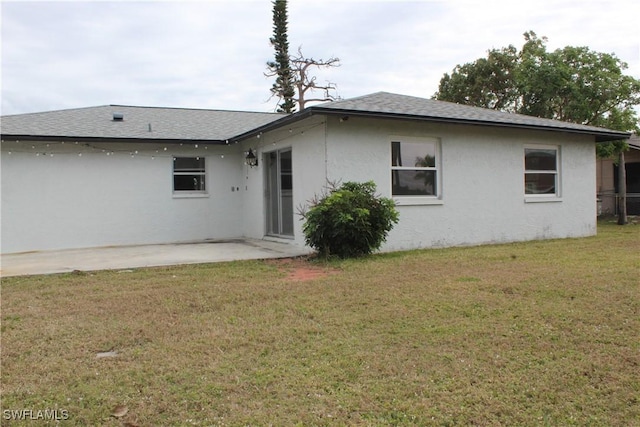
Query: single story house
x=607, y=175
x=125, y=175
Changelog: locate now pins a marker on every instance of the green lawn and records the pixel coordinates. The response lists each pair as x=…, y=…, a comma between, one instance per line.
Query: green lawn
x=538, y=333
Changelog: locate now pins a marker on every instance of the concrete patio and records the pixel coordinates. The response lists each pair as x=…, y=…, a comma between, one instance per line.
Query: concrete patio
x=128, y=257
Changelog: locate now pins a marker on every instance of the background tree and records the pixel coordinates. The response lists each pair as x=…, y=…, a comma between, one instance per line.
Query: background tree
x=487, y=82
x=281, y=68
x=572, y=84
x=304, y=82
x=294, y=82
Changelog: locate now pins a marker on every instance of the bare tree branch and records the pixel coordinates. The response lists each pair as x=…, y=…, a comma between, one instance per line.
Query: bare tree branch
x=304, y=82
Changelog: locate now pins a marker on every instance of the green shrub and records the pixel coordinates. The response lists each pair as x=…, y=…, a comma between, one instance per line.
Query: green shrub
x=349, y=221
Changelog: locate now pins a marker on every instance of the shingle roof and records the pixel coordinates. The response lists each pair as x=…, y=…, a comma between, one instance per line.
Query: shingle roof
x=218, y=125
x=165, y=123
x=384, y=104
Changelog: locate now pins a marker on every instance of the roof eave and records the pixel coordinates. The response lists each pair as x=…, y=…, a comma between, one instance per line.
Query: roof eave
x=284, y=121
x=603, y=136
x=88, y=139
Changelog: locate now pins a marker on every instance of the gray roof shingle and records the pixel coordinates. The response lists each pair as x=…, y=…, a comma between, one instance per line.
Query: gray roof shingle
x=165, y=123
x=384, y=104
x=217, y=126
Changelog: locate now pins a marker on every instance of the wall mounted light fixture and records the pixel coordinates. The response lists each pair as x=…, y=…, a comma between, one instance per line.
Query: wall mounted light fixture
x=251, y=159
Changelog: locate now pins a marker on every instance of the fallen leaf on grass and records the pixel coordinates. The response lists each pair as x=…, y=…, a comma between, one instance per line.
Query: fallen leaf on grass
x=103, y=354
x=120, y=411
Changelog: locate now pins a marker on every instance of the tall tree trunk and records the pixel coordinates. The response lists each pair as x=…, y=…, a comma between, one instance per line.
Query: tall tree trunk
x=622, y=190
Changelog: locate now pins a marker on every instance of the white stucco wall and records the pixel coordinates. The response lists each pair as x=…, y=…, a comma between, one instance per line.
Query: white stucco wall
x=482, y=172
x=71, y=201
x=307, y=142
x=68, y=201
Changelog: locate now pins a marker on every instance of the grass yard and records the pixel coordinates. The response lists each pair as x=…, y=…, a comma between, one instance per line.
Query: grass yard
x=542, y=333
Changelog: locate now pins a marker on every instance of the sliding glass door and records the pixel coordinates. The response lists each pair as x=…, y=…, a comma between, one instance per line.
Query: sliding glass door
x=279, y=193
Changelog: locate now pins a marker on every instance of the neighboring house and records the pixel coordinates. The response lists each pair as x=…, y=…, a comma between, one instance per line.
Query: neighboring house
x=607, y=173
x=118, y=175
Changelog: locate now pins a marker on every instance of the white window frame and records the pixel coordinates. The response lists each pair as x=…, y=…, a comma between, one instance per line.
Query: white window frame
x=435, y=199
x=557, y=173
x=192, y=172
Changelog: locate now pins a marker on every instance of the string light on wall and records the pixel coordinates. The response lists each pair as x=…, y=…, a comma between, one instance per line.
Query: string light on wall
x=47, y=149
x=293, y=131
x=108, y=148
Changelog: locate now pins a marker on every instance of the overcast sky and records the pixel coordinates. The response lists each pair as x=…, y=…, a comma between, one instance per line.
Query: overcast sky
x=212, y=54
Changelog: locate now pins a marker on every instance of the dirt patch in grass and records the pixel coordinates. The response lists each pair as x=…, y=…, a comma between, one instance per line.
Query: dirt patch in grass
x=302, y=269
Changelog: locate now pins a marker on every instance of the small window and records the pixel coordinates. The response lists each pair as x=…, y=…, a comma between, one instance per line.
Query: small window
x=541, y=171
x=189, y=174
x=414, y=170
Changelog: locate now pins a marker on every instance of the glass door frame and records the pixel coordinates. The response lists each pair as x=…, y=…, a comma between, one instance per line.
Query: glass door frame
x=278, y=191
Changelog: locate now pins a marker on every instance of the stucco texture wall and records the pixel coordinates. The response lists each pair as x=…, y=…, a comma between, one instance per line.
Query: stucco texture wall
x=482, y=196
x=71, y=201
x=306, y=139
x=120, y=196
